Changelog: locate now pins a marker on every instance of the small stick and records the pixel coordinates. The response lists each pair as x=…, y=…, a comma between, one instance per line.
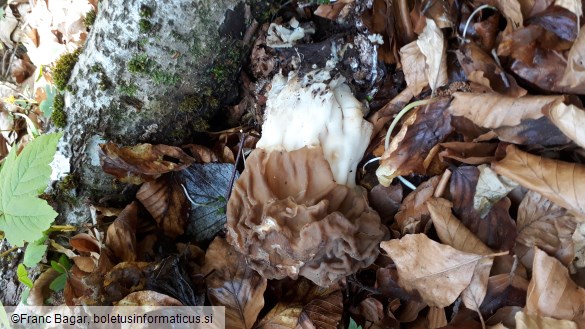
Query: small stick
x=442, y=184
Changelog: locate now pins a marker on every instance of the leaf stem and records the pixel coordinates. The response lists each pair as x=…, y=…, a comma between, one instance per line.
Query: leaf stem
x=477, y=10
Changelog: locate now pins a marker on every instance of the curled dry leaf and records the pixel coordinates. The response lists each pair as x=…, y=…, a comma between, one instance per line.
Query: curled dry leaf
x=573, y=79
x=85, y=243
x=490, y=189
x=439, y=273
x=406, y=154
x=306, y=306
x=413, y=66
x=413, y=215
x=526, y=321
x=148, y=298
x=504, y=290
x=552, y=293
x=142, y=162
x=233, y=284
x=386, y=201
x=570, y=120
x=40, y=290
x=545, y=225
x=469, y=153
x=558, y=181
x=121, y=234
x=165, y=200
x=432, y=45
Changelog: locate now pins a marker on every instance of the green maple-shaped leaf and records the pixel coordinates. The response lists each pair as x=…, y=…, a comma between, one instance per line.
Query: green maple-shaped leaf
x=23, y=216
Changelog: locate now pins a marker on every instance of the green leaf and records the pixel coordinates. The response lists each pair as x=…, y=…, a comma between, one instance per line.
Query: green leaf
x=23, y=216
x=4, y=323
x=22, y=274
x=62, y=266
x=46, y=106
x=59, y=283
x=63, y=260
x=353, y=325
x=34, y=252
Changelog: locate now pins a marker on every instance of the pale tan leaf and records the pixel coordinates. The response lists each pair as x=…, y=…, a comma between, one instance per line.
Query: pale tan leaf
x=148, y=298
x=490, y=189
x=494, y=110
x=573, y=80
x=570, y=120
x=558, y=181
x=512, y=11
x=40, y=290
x=413, y=215
x=306, y=306
x=439, y=273
x=86, y=264
x=450, y=229
x=552, y=293
x=432, y=45
x=526, y=321
x=436, y=317
x=413, y=66
x=475, y=293
x=543, y=224
x=233, y=284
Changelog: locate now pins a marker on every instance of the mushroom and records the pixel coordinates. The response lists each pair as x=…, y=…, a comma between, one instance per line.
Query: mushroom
x=295, y=209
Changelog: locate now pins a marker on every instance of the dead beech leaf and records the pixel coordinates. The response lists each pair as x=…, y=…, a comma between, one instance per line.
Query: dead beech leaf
x=573, y=79
x=85, y=243
x=86, y=264
x=233, y=284
x=166, y=202
x=201, y=154
x=552, y=293
x=475, y=293
x=121, y=234
x=306, y=306
x=142, y=162
x=432, y=45
x=386, y=201
x=512, y=11
x=504, y=290
x=451, y=231
x=406, y=154
x=148, y=298
x=490, y=189
x=468, y=153
x=558, y=181
x=570, y=120
x=545, y=225
x=413, y=215
x=525, y=321
x=439, y=273
x=330, y=11
x=413, y=66
x=40, y=290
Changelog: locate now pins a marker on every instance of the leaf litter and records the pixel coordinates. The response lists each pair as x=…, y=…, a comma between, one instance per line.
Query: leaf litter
x=495, y=243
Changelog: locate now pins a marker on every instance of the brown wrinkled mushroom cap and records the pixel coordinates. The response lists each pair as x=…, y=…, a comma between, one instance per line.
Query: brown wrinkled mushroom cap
x=290, y=218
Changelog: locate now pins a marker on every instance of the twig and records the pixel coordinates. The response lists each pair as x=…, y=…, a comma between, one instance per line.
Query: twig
x=442, y=184
x=4, y=254
x=232, y=179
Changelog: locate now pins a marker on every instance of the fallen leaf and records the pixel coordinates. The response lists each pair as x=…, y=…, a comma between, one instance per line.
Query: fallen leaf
x=468, y=153
x=432, y=45
x=85, y=243
x=121, y=234
x=490, y=189
x=436, y=318
x=306, y=305
x=165, y=200
x=570, y=120
x=142, y=162
x=413, y=215
x=40, y=290
x=123, y=279
x=231, y=283
x=551, y=292
x=148, y=298
x=525, y=321
x=86, y=264
x=406, y=154
x=573, y=79
x=439, y=273
x=558, y=20
x=330, y=11
x=413, y=66
x=545, y=225
x=504, y=290
x=512, y=11
x=386, y=201
x=201, y=154
x=558, y=181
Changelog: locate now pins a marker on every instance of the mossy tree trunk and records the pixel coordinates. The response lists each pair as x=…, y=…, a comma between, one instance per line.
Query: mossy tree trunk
x=150, y=72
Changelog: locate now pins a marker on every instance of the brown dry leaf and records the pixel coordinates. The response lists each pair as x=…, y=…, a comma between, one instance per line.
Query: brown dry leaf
x=85, y=243
x=121, y=234
x=21, y=69
x=504, y=290
x=451, y=231
x=570, y=120
x=330, y=11
x=148, y=298
x=201, y=154
x=40, y=290
x=436, y=317
x=406, y=154
x=413, y=66
x=380, y=19
x=386, y=201
x=490, y=189
x=306, y=305
x=468, y=153
x=439, y=273
x=123, y=279
x=511, y=10
x=86, y=264
x=165, y=200
x=525, y=321
x=545, y=225
x=142, y=162
x=558, y=181
x=413, y=215
x=573, y=79
x=233, y=284
x=432, y=45
x=552, y=293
